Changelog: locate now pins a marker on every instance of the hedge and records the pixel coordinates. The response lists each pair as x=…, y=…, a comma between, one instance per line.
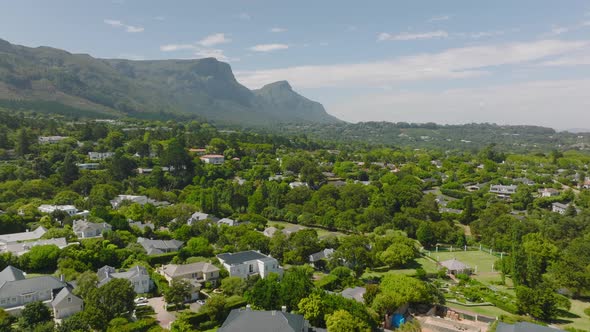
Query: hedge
x=161, y=259
x=455, y=193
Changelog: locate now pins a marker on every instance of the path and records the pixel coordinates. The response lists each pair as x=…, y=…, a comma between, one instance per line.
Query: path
x=164, y=317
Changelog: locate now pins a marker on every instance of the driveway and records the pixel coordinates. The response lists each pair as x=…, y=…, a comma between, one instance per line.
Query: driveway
x=164, y=317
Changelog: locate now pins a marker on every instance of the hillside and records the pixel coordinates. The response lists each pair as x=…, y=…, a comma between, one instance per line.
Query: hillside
x=115, y=88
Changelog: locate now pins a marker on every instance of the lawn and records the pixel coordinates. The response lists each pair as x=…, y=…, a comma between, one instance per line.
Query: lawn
x=478, y=260
x=576, y=317
x=490, y=311
x=428, y=265
x=321, y=232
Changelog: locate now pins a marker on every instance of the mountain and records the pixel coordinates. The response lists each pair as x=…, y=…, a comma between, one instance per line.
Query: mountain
x=47, y=78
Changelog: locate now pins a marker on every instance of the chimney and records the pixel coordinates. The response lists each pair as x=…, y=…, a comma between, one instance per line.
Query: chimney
x=284, y=308
x=61, y=278
x=274, y=312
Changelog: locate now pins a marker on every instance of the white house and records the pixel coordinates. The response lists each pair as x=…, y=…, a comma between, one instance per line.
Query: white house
x=88, y=166
x=47, y=208
x=51, y=139
x=86, y=229
x=215, y=159
x=141, y=200
x=503, y=191
x=66, y=304
x=197, y=216
x=137, y=275
x=100, y=155
x=296, y=184
x=248, y=263
x=549, y=192
x=228, y=222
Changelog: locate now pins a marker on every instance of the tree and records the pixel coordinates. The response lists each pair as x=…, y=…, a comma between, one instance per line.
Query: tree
x=121, y=166
x=266, y=293
x=23, y=142
x=34, y=313
x=312, y=309
x=74, y=323
x=41, y=258
x=541, y=302
x=296, y=285
x=69, y=170
x=6, y=321
x=397, y=289
x=425, y=234
x=215, y=308
x=86, y=282
x=397, y=254
x=353, y=253
x=233, y=286
x=178, y=292
x=114, y=299
x=343, y=321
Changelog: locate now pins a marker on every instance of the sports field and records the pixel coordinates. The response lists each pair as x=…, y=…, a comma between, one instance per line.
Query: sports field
x=479, y=261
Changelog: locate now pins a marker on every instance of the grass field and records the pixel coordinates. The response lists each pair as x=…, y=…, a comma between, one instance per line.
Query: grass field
x=479, y=260
x=489, y=311
x=321, y=232
x=576, y=317
x=425, y=263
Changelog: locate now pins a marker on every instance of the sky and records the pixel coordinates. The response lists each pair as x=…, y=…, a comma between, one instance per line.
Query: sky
x=449, y=62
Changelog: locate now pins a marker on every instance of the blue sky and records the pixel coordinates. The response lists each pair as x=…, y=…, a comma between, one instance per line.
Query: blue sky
x=508, y=62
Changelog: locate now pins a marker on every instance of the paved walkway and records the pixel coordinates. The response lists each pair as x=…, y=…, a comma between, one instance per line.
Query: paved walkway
x=164, y=317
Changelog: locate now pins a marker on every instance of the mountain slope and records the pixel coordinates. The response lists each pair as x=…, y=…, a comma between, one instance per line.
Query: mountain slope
x=202, y=87
x=283, y=100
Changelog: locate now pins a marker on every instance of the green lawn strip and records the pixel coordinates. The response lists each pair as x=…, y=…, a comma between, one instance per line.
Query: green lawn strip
x=483, y=261
x=490, y=311
x=577, y=309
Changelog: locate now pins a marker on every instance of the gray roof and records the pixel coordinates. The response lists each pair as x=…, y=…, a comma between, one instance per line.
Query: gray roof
x=241, y=257
x=11, y=273
x=454, y=265
x=107, y=273
x=245, y=320
x=355, y=294
x=20, y=248
x=326, y=253
x=61, y=299
x=524, y=327
x=174, y=270
x=19, y=287
x=84, y=225
x=153, y=247
x=23, y=236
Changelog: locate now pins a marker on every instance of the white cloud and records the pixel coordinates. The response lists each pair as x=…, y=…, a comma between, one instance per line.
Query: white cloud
x=483, y=34
x=177, y=47
x=119, y=24
x=277, y=29
x=214, y=39
x=524, y=103
x=412, y=36
x=439, y=18
x=449, y=64
x=578, y=59
x=269, y=47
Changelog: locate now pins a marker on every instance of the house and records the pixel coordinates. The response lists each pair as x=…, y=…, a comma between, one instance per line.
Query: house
x=270, y=231
x=137, y=275
x=321, y=255
x=51, y=139
x=156, y=247
x=89, y=166
x=548, y=192
x=66, y=304
x=141, y=170
x=296, y=184
x=85, y=229
x=503, y=191
x=100, y=155
x=214, y=159
x=198, y=152
x=248, y=320
x=449, y=210
x=16, y=290
x=49, y=209
x=474, y=187
x=228, y=222
x=195, y=273
x=355, y=293
x=455, y=267
x=197, y=216
x=141, y=200
x=23, y=236
x=524, y=327
x=247, y=263
x=21, y=248
x=526, y=181
x=561, y=208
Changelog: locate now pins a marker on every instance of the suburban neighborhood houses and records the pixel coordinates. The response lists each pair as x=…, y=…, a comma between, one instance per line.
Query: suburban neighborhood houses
x=259, y=232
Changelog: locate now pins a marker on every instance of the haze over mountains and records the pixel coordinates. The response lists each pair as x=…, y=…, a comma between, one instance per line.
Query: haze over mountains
x=202, y=87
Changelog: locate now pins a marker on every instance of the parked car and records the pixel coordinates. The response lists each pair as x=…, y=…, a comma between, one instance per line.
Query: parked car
x=140, y=300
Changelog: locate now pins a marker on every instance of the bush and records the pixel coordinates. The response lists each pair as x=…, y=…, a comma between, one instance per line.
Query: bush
x=162, y=259
x=587, y=311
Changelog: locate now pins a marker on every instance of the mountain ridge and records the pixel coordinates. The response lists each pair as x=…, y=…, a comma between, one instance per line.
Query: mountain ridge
x=119, y=87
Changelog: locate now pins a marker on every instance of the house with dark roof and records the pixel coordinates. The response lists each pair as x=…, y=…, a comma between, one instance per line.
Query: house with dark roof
x=16, y=290
x=156, y=247
x=66, y=304
x=248, y=263
x=247, y=320
x=137, y=275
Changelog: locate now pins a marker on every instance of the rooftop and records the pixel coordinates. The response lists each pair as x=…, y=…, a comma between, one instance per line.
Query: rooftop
x=241, y=257
x=246, y=320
